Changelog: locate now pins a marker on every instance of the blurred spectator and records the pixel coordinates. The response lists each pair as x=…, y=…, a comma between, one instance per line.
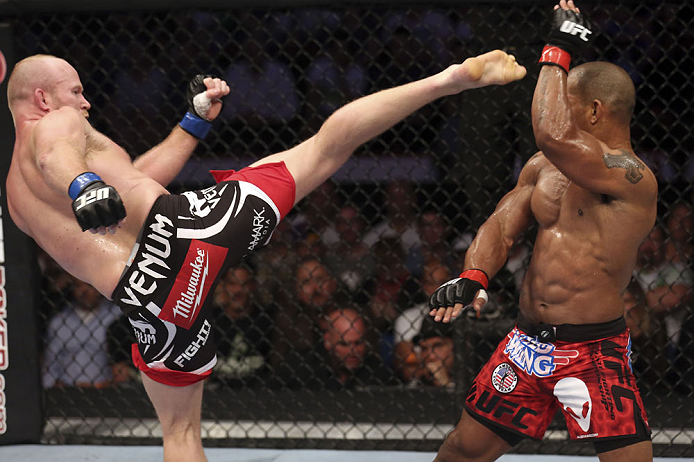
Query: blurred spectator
x=647, y=342
x=679, y=301
x=75, y=353
x=316, y=218
x=401, y=57
x=435, y=343
x=407, y=358
x=264, y=87
x=193, y=47
x=56, y=284
x=393, y=287
x=342, y=358
x=649, y=259
x=297, y=318
x=242, y=329
x=679, y=247
x=119, y=340
x=668, y=286
x=434, y=244
x=275, y=265
x=400, y=221
x=350, y=260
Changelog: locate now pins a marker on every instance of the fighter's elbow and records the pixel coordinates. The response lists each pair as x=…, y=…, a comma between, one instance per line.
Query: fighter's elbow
x=555, y=140
x=546, y=138
x=43, y=160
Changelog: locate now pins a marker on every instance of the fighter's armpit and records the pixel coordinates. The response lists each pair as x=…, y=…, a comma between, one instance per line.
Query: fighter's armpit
x=627, y=161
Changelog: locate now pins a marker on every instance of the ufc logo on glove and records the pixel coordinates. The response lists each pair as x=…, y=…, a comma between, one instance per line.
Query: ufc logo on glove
x=91, y=196
x=570, y=27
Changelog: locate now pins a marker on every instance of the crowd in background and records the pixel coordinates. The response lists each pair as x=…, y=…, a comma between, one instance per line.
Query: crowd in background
x=339, y=297
x=335, y=301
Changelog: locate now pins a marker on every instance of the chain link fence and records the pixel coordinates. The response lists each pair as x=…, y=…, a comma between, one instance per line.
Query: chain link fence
x=320, y=334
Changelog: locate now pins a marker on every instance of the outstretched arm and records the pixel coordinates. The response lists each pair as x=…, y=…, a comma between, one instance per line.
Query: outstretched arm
x=164, y=161
x=490, y=248
x=316, y=159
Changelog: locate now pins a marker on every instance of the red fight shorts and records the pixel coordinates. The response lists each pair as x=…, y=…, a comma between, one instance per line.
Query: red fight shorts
x=584, y=370
x=185, y=246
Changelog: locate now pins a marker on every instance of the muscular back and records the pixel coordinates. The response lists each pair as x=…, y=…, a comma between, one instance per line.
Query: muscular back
x=44, y=212
x=585, y=247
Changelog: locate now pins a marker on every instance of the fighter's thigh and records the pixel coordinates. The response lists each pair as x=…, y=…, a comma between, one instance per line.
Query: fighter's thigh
x=471, y=441
x=638, y=452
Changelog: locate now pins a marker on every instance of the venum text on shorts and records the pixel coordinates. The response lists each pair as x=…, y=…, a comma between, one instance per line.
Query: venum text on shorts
x=152, y=262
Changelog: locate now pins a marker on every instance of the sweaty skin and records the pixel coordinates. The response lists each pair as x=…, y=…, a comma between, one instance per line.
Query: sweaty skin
x=48, y=217
x=594, y=202
x=55, y=143
x=592, y=198
x=584, y=250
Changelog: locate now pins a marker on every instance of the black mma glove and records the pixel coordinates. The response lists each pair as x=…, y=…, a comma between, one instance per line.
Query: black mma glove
x=195, y=122
x=95, y=204
x=570, y=34
x=459, y=290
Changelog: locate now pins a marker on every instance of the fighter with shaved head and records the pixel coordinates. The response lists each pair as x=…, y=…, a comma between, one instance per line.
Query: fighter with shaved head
x=161, y=263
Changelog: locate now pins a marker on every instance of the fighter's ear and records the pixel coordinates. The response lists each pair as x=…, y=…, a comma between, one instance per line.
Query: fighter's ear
x=40, y=97
x=596, y=111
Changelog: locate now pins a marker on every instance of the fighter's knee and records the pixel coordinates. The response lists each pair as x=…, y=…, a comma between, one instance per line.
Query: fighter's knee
x=457, y=447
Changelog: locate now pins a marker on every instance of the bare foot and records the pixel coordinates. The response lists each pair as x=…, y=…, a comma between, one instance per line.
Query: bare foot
x=493, y=68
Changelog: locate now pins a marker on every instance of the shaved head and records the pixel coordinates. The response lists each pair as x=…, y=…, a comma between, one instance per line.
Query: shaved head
x=43, y=83
x=38, y=71
x=607, y=83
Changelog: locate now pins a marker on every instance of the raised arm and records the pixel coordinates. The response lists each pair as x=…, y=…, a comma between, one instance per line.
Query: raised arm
x=164, y=161
x=578, y=154
x=490, y=248
x=581, y=117
x=317, y=158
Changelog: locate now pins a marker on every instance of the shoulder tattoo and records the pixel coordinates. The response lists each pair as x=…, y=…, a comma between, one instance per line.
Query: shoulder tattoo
x=626, y=161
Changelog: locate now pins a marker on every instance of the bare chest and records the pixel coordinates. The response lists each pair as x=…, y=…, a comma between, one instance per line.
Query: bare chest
x=549, y=196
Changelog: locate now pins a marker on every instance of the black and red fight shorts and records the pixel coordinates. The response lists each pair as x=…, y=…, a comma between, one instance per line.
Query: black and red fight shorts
x=187, y=242
x=584, y=370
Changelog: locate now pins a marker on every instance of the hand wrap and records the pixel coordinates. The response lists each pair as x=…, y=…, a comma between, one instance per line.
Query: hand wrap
x=195, y=122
